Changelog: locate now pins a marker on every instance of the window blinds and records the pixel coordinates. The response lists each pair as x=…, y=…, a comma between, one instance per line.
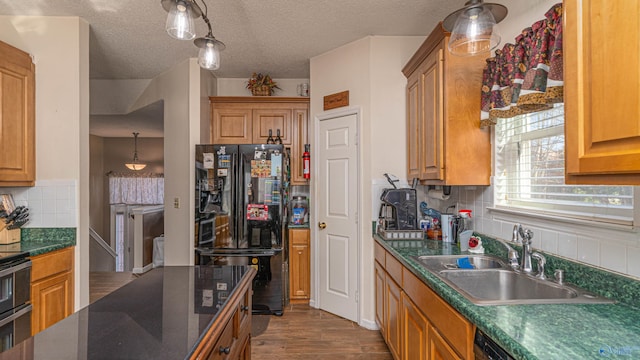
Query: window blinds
x=530, y=172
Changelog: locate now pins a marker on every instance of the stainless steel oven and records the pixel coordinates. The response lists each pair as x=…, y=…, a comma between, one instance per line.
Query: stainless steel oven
x=15, y=297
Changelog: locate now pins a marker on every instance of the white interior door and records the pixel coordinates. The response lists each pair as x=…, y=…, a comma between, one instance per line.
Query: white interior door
x=338, y=212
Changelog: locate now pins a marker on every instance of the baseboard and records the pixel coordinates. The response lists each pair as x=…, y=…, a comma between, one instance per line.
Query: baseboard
x=312, y=303
x=137, y=270
x=368, y=324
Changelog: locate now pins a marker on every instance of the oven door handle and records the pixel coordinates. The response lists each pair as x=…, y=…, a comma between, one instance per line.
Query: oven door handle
x=15, y=315
x=16, y=268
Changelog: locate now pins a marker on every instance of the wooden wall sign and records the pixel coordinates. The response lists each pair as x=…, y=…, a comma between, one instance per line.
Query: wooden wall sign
x=336, y=100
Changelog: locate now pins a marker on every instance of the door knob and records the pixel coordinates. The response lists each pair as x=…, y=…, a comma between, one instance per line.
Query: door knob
x=322, y=225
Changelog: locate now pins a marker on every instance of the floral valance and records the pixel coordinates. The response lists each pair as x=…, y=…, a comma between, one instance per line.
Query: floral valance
x=526, y=76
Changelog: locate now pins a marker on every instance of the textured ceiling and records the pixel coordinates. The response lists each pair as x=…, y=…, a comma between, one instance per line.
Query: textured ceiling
x=128, y=40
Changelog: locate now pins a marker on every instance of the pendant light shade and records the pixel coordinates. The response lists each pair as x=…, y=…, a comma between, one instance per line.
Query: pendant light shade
x=180, y=26
x=180, y=23
x=135, y=165
x=209, y=54
x=474, y=28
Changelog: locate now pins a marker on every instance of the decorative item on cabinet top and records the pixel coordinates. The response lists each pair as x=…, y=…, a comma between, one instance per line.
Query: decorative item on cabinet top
x=261, y=85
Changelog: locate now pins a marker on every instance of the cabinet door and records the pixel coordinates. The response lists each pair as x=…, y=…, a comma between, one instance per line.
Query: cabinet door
x=414, y=117
x=274, y=120
x=393, y=312
x=299, y=265
x=431, y=128
x=17, y=117
x=415, y=330
x=231, y=125
x=601, y=91
x=52, y=301
x=380, y=304
x=300, y=130
x=439, y=349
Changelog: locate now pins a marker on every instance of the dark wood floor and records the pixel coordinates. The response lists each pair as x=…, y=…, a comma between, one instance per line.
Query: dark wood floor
x=301, y=333
x=103, y=283
x=307, y=333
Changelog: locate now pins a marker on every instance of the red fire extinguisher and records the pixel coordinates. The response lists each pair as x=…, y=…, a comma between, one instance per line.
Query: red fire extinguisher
x=306, y=159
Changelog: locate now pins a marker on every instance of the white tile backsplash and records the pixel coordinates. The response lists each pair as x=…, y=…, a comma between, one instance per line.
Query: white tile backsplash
x=51, y=203
x=616, y=250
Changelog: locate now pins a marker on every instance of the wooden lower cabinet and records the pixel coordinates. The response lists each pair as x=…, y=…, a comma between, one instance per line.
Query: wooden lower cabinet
x=393, y=310
x=380, y=303
x=415, y=328
x=51, y=288
x=299, y=266
x=417, y=323
x=438, y=347
x=229, y=337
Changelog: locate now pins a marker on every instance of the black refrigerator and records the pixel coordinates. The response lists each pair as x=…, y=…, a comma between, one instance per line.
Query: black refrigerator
x=241, y=193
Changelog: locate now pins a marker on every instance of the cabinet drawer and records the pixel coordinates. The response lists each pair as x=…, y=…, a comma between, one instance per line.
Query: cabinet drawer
x=394, y=268
x=379, y=253
x=299, y=236
x=51, y=263
x=450, y=324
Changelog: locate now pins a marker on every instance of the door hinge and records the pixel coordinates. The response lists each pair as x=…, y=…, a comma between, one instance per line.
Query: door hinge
x=356, y=217
x=357, y=296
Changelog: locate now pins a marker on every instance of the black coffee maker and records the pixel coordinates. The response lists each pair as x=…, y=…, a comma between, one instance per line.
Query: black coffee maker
x=399, y=209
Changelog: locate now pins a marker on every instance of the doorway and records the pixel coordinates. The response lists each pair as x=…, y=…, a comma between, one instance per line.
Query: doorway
x=338, y=237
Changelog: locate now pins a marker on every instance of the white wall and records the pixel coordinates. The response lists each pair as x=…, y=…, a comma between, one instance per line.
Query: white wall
x=179, y=88
x=60, y=47
x=370, y=68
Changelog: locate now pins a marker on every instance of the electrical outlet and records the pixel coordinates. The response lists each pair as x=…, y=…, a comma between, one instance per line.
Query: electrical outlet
x=176, y=203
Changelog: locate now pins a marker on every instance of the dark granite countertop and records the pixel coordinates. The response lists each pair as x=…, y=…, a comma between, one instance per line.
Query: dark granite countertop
x=161, y=315
x=543, y=332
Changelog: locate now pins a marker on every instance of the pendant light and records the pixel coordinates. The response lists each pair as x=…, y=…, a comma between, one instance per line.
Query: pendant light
x=474, y=28
x=180, y=26
x=135, y=165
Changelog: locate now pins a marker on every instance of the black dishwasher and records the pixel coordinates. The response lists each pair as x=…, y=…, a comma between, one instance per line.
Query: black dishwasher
x=486, y=349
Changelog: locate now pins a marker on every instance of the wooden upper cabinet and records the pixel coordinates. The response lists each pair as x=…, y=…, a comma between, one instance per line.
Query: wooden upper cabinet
x=443, y=109
x=413, y=126
x=17, y=117
x=274, y=120
x=231, y=125
x=248, y=119
x=602, y=91
x=300, y=138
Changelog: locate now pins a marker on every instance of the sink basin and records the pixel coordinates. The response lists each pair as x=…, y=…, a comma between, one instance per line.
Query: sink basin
x=443, y=262
x=491, y=282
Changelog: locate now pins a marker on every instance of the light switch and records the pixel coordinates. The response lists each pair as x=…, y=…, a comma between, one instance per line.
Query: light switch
x=176, y=203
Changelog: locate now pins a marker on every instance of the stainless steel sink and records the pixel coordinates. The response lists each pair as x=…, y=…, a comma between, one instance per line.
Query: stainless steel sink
x=492, y=282
x=444, y=262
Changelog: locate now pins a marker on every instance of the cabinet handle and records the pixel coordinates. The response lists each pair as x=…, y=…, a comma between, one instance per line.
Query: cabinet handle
x=225, y=350
x=244, y=308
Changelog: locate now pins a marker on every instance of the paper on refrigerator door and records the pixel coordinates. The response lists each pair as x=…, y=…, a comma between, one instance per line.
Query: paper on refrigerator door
x=276, y=164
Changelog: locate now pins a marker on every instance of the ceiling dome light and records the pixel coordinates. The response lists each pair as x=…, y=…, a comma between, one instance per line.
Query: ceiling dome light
x=180, y=19
x=209, y=54
x=474, y=28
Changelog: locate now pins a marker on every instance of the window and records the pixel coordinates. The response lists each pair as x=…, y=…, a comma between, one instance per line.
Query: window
x=530, y=172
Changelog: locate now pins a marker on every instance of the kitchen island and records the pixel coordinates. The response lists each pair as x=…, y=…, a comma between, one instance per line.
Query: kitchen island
x=176, y=312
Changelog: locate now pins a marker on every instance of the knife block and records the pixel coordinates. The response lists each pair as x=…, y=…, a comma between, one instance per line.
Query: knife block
x=9, y=236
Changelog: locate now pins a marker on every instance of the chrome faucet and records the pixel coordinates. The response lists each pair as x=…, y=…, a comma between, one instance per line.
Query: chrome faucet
x=524, y=236
x=512, y=256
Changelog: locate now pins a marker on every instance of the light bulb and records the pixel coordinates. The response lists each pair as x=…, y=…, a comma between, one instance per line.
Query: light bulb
x=475, y=31
x=209, y=56
x=180, y=21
